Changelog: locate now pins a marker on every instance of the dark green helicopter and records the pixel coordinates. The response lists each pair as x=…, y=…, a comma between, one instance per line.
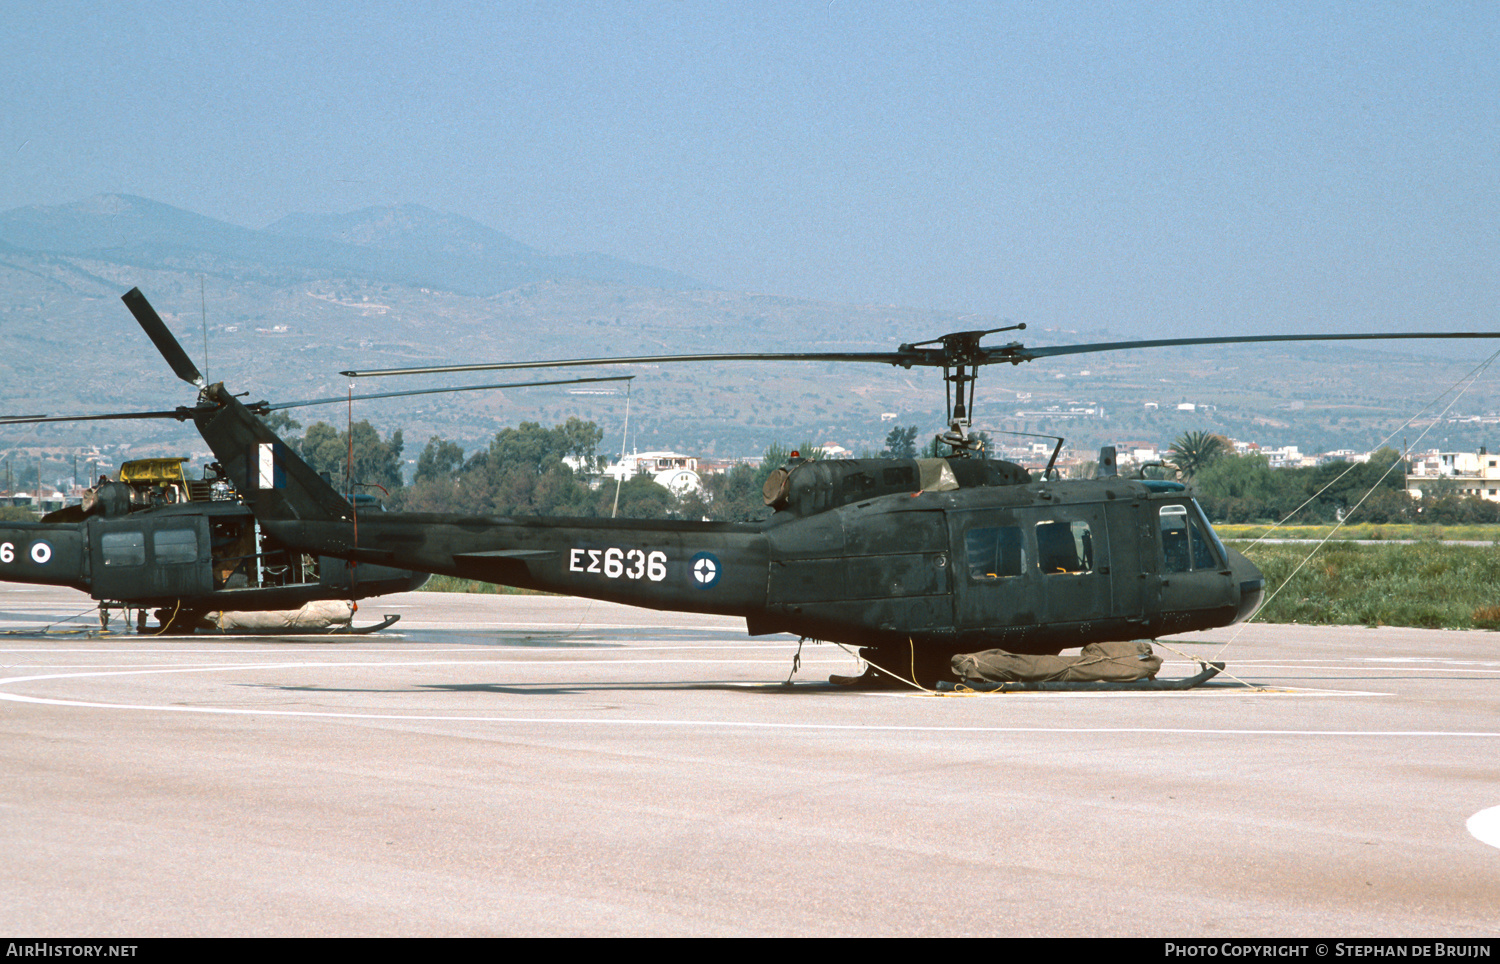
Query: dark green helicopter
x=157, y=540
x=910, y=560
x=154, y=539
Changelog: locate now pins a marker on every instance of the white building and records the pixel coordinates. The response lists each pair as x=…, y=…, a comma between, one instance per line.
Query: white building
x=1288, y=457
x=1474, y=473
x=670, y=469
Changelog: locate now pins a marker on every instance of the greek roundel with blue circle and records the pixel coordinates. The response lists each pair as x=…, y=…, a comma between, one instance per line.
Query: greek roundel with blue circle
x=704, y=570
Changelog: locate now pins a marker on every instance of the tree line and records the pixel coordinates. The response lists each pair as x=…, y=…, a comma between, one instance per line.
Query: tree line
x=1245, y=489
x=528, y=470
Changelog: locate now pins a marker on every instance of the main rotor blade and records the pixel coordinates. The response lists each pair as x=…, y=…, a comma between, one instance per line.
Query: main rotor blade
x=435, y=391
x=884, y=357
x=959, y=348
x=181, y=414
x=162, y=337
x=1018, y=354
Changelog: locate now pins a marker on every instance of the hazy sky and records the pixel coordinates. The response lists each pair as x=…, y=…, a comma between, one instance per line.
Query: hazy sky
x=1175, y=168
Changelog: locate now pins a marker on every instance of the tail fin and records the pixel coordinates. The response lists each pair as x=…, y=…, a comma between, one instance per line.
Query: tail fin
x=269, y=476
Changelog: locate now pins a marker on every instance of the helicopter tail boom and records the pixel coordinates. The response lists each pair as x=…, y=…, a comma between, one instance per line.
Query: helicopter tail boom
x=48, y=554
x=706, y=567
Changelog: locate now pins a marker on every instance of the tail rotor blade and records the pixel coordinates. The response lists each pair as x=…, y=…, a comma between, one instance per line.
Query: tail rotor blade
x=162, y=337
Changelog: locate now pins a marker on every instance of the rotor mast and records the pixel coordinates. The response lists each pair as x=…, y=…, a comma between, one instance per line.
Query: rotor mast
x=961, y=357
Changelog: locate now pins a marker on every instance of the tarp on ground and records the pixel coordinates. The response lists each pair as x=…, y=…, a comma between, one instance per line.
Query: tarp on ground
x=1118, y=662
x=322, y=614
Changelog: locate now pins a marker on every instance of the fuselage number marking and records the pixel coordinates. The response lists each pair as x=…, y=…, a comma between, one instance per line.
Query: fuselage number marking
x=615, y=563
x=41, y=552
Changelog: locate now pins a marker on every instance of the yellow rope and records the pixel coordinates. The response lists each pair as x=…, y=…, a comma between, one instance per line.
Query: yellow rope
x=168, y=624
x=895, y=676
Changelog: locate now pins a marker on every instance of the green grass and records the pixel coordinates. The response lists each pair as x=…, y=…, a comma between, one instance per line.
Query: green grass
x=1428, y=585
x=455, y=584
x=1486, y=533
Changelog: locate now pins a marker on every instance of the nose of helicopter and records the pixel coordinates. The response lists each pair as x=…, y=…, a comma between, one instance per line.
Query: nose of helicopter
x=1252, y=584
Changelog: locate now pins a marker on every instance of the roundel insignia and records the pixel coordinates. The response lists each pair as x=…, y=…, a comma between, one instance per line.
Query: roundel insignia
x=41, y=553
x=705, y=569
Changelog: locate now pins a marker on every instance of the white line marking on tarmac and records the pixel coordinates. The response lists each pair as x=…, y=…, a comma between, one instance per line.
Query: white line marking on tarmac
x=601, y=722
x=813, y=662
x=1485, y=826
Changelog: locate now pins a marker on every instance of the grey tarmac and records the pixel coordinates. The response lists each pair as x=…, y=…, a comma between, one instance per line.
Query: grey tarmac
x=525, y=765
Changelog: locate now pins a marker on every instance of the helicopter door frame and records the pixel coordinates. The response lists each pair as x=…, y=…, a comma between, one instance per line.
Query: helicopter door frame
x=1001, y=582
x=150, y=558
x=1073, y=561
x=994, y=571
x=1193, y=573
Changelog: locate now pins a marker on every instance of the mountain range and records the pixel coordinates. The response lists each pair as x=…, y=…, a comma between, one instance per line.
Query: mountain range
x=403, y=244
x=278, y=312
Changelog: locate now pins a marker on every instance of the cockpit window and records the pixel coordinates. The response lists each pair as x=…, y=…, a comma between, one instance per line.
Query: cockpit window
x=1185, y=545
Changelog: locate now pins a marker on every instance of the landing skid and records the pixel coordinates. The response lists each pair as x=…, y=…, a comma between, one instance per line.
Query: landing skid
x=350, y=630
x=194, y=625
x=1210, y=670
x=364, y=630
x=873, y=679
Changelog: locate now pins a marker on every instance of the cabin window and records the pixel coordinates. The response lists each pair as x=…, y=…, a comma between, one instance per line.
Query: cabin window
x=1184, y=544
x=175, y=546
x=124, y=548
x=995, y=552
x=1064, y=547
